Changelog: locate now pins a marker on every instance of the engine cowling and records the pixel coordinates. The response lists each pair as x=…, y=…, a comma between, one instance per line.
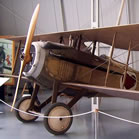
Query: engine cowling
x=36, y=68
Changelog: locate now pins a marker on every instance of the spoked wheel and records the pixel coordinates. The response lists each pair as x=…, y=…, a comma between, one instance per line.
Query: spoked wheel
x=58, y=126
x=23, y=105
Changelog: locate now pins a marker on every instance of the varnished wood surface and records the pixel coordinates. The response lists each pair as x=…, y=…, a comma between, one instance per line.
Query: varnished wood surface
x=125, y=34
x=130, y=94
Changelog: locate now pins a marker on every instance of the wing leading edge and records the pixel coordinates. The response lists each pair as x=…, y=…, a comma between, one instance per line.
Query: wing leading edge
x=124, y=34
x=129, y=94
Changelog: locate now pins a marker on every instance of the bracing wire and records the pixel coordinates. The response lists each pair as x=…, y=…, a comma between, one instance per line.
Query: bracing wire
x=106, y=60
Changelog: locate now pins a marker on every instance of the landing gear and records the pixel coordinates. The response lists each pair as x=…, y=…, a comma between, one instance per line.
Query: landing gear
x=23, y=105
x=58, y=126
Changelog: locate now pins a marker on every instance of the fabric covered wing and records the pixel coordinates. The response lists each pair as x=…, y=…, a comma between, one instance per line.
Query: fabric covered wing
x=130, y=94
x=124, y=35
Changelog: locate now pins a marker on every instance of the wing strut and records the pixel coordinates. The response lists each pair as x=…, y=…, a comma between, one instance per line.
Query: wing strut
x=126, y=67
x=108, y=69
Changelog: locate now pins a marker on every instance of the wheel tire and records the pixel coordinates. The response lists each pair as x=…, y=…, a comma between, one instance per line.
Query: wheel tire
x=23, y=105
x=61, y=125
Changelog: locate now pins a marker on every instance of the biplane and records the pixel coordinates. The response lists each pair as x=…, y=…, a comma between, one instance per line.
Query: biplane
x=61, y=60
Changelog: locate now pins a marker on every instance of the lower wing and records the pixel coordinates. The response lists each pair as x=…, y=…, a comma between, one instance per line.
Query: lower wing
x=122, y=93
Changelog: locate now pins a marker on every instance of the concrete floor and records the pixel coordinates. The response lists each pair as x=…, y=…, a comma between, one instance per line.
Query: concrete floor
x=82, y=127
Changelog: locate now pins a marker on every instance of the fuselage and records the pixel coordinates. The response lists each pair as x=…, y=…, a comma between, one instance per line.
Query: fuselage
x=57, y=62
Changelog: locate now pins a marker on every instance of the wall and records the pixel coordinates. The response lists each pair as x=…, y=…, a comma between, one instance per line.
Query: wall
x=15, y=15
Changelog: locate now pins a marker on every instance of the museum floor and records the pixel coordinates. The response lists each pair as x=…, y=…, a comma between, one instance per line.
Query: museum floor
x=82, y=127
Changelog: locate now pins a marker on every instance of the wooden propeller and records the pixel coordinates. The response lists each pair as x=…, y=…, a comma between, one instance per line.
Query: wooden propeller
x=26, y=54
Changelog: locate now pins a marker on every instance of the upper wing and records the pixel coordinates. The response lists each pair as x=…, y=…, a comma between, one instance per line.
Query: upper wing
x=124, y=35
x=130, y=94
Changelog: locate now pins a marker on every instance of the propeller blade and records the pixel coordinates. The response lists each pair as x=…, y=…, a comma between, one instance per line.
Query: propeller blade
x=31, y=34
x=27, y=57
x=17, y=85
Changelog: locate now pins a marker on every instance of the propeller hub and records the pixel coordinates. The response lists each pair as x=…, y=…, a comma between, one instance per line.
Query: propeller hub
x=22, y=56
x=37, y=54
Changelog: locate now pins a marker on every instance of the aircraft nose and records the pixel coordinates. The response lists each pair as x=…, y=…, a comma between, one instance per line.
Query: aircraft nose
x=30, y=64
x=34, y=67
